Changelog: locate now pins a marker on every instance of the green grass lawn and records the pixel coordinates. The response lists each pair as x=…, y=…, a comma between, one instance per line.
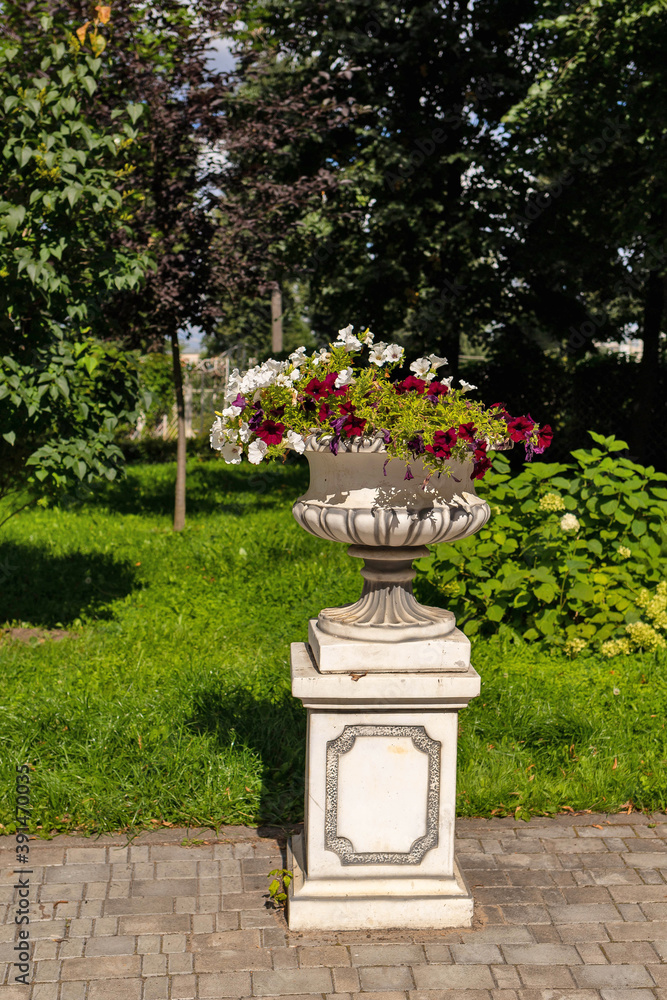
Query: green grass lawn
x=171, y=701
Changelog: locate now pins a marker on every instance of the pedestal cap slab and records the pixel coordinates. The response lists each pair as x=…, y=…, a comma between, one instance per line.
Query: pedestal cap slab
x=357, y=689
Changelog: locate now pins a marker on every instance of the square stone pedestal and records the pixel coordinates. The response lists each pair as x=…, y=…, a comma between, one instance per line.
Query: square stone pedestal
x=378, y=843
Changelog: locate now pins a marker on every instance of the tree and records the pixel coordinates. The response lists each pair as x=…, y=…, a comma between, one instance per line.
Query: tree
x=213, y=226
x=407, y=240
x=63, y=393
x=594, y=123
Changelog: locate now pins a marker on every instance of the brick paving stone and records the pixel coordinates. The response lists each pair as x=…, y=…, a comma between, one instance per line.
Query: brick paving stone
x=101, y=946
x=386, y=977
x=346, y=980
x=630, y=953
x=612, y=976
x=116, y=966
x=224, y=984
x=541, y=954
x=332, y=956
x=183, y=987
x=476, y=954
x=117, y=989
x=627, y=995
x=280, y=982
x=387, y=954
x=438, y=977
x=582, y=913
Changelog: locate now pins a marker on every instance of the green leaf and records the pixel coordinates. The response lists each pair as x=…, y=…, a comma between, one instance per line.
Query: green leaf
x=545, y=593
x=582, y=592
x=495, y=613
x=10, y=437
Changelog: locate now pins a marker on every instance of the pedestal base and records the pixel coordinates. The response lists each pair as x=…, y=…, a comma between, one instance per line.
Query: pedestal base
x=380, y=903
x=378, y=844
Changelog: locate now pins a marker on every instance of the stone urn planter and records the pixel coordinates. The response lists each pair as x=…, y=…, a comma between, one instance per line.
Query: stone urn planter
x=361, y=497
x=382, y=681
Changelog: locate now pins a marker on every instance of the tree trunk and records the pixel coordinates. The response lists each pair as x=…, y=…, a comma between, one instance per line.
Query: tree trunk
x=276, y=321
x=179, y=498
x=645, y=426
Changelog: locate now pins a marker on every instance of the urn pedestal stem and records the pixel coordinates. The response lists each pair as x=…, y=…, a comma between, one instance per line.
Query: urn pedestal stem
x=387, y=610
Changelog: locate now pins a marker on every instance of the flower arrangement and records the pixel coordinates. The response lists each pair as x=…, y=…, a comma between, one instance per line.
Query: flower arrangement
x=277, y=406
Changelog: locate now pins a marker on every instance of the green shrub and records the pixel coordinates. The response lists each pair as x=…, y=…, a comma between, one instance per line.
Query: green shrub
x=575, y=555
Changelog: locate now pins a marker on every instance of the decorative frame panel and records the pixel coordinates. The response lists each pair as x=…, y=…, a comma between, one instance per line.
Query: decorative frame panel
x=344, y=847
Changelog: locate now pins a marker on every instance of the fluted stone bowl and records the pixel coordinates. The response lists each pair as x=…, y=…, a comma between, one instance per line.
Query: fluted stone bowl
x=359, y=497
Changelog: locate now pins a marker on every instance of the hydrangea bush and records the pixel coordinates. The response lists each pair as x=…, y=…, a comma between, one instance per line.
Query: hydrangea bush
x=332, y=393
x=574, y=556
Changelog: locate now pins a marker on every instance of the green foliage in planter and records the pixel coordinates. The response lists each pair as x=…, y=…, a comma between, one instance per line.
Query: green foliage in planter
x=575, y=555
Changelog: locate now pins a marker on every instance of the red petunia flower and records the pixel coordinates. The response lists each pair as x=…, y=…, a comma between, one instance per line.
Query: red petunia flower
x=410, y=384
x=467, y=432
x=321, y=388
x=545, y=437
x=520, y=428
x=443, y=442
x=270, y=432
x=354, y=426
x=436, y=389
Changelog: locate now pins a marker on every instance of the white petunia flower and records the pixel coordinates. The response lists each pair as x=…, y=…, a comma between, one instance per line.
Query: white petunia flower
x=244, y=432
x=466, y=386
x=352, y=343
x=568, y=522
x=393, y=354
x=232, y=411
x=436, y=362
x=345, y=377
x=298, y=357
x=367, y=338
x=285, y=380
x=232, y=453
x=420, y=367
x=447, y=381
x=376, y=356
x=345, y=332
x=256, y=451
x=295, y=375
x=320, y=357
x=216, y=434
x=296, y=442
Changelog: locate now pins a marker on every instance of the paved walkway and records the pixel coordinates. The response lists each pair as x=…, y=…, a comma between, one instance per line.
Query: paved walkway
x=574, y=907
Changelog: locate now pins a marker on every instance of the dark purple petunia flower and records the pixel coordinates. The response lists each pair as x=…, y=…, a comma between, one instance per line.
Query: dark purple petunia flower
x=408, y=473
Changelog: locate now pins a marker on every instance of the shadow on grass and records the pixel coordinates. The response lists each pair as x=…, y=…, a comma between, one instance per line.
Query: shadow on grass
x=212, y=487
x=275, y=729
x=48, y=590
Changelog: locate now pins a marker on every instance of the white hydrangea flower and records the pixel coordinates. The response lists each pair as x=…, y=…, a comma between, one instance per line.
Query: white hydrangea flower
x=216, y=435
x=232, y=453
x=436, y=362
x=256, y=451
x=421, y=367
x=569, y=522
x=467, y=386
x=376, y=356
x=393, y=354
x=345, y=377
x=296, y=442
